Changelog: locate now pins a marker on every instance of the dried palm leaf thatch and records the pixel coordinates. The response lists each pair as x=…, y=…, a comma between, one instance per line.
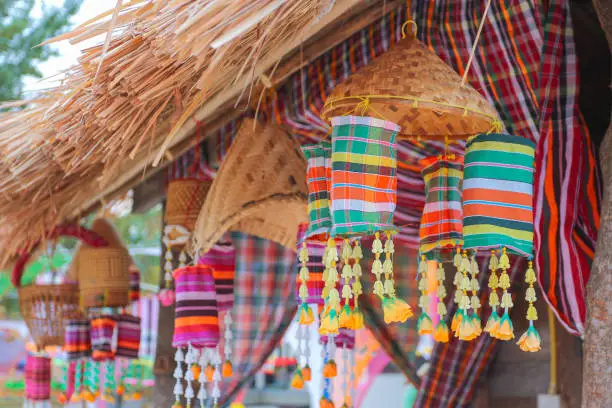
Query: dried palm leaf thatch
x=156, y=64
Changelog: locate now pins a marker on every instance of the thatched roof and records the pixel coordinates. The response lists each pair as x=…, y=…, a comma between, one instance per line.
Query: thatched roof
x=130, y=99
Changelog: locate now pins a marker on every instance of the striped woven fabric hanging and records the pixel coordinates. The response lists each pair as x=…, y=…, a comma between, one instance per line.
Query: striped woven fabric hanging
x=102, y=332
x=128, y=336
x=38, y=380
x=498, y=216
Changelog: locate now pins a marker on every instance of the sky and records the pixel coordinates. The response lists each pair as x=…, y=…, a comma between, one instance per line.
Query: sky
x=68, y=52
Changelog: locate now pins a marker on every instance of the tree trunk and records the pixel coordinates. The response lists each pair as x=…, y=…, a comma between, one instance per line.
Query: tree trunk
x=597, y=368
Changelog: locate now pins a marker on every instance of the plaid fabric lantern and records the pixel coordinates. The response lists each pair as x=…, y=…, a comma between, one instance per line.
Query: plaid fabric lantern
x=77, y=339
x=128, y=336
x=102, y=332
x=363, y=198
x=318, y=177
x=498, y=214
x=442, y=219
x=196, y=325
x=38, y=379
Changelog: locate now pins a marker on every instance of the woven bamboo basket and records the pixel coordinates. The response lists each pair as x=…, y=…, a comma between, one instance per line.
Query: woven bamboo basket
x=103, y=276
x=260, y=189
x=411, y=86
x=185, y=198
x=46, y=308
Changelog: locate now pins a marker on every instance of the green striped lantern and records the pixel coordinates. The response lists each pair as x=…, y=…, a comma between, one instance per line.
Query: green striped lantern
x=498, y=215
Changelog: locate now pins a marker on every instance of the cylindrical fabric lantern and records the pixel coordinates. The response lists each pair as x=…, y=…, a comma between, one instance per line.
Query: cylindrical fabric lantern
x=442, y=219
x=222, y=260
x=196, y=319
x=38, y=378
x=363, y=176
x=128, y=336
x=363, y=199
x=318, y=179
x=77, y=340
x=102, y=332
x=498, y=214
x=196, y=325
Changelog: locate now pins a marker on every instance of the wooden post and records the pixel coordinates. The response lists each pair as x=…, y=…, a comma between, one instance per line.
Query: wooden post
x=597, y=384
x=164, y=354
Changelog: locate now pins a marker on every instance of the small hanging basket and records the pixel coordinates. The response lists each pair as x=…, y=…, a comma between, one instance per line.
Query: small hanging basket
x=104, y=279
x=184, y=200
x=46, y=308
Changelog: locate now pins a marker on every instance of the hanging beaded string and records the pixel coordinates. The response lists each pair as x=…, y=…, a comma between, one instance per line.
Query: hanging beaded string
x=345, y=376
x=345, y=319
x=353, y=375
x=189, y=378
x=475, y=300
x=179, y=357
x=377, y=267
x=458, y=278
x=78, y=382
x=202, y=378
x=62, y=399
x=331, y=351
x=306, y=371
x=441, y=333
x=357, y=256
x=90, y=376
x=424, y=323
x=506, y=330
x=389, y=250
x=305, y=315
x=297, y=381
x=109, y=383
x=325, y=398
x=228, y=369
x=493, y=323
x=530, y=340
x=394, y=309
x=216, y=391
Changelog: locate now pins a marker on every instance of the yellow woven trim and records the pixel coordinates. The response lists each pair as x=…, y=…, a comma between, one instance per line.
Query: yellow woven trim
x=365, y=105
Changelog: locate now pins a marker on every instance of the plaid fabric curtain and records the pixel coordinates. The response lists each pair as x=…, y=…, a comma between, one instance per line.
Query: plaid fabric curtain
x=263, y=305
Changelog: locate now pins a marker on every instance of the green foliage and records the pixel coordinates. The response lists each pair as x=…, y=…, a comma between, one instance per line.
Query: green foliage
x=19, y=36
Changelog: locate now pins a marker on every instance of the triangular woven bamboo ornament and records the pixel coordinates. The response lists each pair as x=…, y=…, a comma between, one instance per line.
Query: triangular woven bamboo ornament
x=260, y=189
x=411, y=86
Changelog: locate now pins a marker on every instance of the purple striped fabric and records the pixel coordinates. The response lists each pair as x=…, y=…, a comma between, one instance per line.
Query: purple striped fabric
x=196, y=314
x=221, y=258
x=128, y=336
x=102, y=332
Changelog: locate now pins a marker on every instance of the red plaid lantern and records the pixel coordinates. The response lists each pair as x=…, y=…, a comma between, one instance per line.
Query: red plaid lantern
x=38, y=378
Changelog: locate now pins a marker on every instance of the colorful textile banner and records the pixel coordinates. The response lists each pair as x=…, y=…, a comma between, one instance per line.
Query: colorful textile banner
x=264, y=305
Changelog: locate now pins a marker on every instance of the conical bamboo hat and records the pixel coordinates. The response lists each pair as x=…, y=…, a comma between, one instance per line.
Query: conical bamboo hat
x=260, y=189
x=411, y=86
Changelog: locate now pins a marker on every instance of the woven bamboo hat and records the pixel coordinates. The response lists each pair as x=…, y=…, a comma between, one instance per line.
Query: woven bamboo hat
x=260, y=189
x=411, y=86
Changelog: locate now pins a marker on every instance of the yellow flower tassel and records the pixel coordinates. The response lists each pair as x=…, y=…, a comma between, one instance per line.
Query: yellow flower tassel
x=530, y=340
x=493, y=323
x=306, y=316
x=377, y=267
x=506, y=329
x=330, y=317
x=424, y=323
x=394, y=310
x=441, y=333
x=298, y=380
x=463, y=323
x=475, y=300
x=357, y=255
x=346, y=315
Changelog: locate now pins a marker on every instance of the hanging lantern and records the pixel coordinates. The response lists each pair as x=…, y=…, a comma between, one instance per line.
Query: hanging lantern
x=498, y=215
x=196, y=325
x=222, y=260
x=38, y=379
x=128, y=336
x=102, y=332
x=184, y=198
x=411, y=86
x=134, y=283
x=363, y=198
x=77, y=340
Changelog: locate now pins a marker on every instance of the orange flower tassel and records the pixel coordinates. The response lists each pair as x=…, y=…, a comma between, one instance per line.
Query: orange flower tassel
x=306, y=315
x=330, y=370
x=395, y=310
x=530, y=340
x=505, y=330
x=307, y=373
x=424, y=324
x=345, y=320
x=210, y=372
x=357, y=319
x=441, y=333
x=298, y=381
x=227, y=369
x=196, y=370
